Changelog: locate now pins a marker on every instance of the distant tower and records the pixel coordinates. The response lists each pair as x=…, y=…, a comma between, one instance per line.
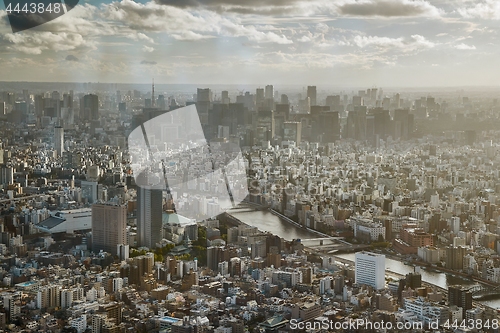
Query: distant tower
x=59, y=140
x=153, y=95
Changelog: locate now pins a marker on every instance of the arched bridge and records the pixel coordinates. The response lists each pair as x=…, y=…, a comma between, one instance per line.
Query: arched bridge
x=480, y=292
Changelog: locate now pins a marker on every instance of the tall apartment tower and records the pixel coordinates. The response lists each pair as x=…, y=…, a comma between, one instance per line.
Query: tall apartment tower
x=311, y=93
x=203, y=103
x=461, y=297
x=149, y=216
x=370, y=269
x=109, y=227
x=269, y=92
x=90, y=109
x=59, y=140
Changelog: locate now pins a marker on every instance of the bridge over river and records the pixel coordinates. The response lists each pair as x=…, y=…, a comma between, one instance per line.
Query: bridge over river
x=483, y=292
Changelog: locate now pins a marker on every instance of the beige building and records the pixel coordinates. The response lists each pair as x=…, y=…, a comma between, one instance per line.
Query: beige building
x=109, y=227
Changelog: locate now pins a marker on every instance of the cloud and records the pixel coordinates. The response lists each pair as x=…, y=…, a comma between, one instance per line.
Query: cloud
x=487, y=9
x=181, y=24
x=190, y=36
x=146, y=48
x=463, y=46
x=140, y=36
x=258, y=7
x=147, y=62
x=34, y=42
x=71, y=57
x=389, y=8
x=249, y=3
x=412, y=43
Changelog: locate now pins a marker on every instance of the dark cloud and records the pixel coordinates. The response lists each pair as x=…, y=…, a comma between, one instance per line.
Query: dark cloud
x=259, y=7
x=71, y=58
x=147, y=62
x=238, y=3
x=388, y=8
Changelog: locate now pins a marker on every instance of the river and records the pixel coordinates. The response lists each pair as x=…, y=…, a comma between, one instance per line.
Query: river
x=266, y=221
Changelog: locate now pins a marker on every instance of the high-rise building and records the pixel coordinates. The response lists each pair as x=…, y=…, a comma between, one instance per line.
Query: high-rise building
x=329, y=126
x=149, y=216
x=122, y=251
x=269, y=93
x=90, y=107
x=259, y=97
x=59, y=140
x=311, y=93
x=109, y=227
x=284, y=99
x=225, y=97
x=114, y=311
x=356, y=123
x=305, y=105
x=455, y=257
x=292, y=132
x=214, y=257
x=370, y=269
x=48, y=296
x=203, y=103
x=461, y=297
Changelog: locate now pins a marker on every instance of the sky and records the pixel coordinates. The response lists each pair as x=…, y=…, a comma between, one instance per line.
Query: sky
x=397, y=43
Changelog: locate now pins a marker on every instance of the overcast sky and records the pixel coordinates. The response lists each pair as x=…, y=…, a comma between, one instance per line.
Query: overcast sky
x=323, y=42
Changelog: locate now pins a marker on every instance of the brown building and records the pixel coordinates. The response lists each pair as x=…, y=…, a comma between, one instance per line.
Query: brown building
x=411, y=238
x=109, y=227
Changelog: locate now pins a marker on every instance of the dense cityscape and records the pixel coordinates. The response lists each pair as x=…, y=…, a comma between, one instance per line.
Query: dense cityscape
x=380, y=206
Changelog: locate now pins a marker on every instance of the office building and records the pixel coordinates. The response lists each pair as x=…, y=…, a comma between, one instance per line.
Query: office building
x=455, y=257
x=311, y=93
x=59, y=140
x=149, y=216
x=292, y=132
x=90, y=107
x=461, y=297
x=269, y=92
x=109, y=227
x=370, y=269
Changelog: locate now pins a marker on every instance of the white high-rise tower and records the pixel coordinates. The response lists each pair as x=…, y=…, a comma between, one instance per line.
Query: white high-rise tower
x=59, y=140
x=370, y=269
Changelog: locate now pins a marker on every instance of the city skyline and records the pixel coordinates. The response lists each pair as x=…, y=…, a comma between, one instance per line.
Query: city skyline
x=384, y=43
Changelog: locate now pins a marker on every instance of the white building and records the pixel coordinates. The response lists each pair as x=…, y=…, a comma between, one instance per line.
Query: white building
x=79, y=323
x=325, y=284
x=67, y=221
x=66, y=298
x=426, y=311
x=117, y=284
x=370, y=269
x=428, y=254
x=59, y=140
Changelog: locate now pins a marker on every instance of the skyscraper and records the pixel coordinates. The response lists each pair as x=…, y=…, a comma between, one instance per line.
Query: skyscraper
x=59, y=140
x=269, y=94
x=461, y=297
x=109, y=224
x=292, y=132
x=311, y=93
x=90, y=107
x=203, y=103
x=149, y=216
x=370, y=269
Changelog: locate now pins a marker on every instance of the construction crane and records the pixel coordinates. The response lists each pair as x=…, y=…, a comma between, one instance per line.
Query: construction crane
x=169, y=193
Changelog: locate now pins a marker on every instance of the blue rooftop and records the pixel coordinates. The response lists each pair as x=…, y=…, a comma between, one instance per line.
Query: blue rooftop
x=170, y=320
